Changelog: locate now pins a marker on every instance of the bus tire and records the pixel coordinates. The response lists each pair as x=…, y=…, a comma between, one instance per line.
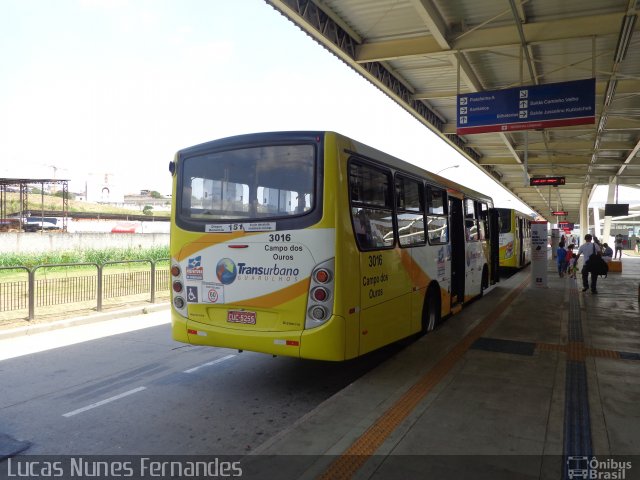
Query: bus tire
x=485, y=280
x=431, y=310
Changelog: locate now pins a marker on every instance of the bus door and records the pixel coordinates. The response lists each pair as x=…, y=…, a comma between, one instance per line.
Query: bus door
x=457, y=250
x=494, y=244
x=520, y=240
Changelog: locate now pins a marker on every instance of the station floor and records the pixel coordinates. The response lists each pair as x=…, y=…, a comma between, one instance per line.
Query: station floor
x=527, y=382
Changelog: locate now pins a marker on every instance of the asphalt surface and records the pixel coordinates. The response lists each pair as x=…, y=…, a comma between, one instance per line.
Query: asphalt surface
x=97, y=390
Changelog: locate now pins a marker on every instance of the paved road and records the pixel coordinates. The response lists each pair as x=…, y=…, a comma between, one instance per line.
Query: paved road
x=139, y=392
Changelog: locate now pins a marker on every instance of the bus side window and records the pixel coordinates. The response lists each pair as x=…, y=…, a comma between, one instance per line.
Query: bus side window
x=437, y=216
x=483, y=220
x=410, y=211
x=362, y=227
x=371, y=206
x=471, y=226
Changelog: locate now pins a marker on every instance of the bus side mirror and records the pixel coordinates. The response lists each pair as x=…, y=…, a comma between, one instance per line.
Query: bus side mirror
x=172, y=167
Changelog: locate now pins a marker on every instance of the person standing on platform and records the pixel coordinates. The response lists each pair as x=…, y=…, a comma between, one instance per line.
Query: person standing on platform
x=568, y=257
x=561, y=258
x=618, y=246
x=573, y=266
x=587, y=249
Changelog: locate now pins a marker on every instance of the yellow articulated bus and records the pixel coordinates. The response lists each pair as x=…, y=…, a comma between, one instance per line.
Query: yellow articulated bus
x=312, y=245
x=515, y=238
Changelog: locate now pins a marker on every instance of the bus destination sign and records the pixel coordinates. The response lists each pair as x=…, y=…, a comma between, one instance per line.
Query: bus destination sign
x=527, y=108
x=553, y=181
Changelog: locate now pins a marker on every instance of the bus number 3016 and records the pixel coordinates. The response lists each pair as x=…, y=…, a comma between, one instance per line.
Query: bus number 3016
x=280, y=237
x=375, y=260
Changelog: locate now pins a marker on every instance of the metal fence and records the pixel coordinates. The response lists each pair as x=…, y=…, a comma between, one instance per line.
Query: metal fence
x=66, y=283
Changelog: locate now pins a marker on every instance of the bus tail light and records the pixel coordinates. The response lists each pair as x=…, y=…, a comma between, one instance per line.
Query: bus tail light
x=179, y=303
x=177, y=288
x=318, y=313
x=322, y=275
x=321, y=287
x=319, y=294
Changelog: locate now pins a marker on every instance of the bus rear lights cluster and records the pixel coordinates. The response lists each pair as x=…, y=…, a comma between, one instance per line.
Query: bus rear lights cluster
x=322, y=275
x=320, y=304
x=178, y=302
x=177, y=286
x=318, y=313
x=175, y=270
x=319, y=294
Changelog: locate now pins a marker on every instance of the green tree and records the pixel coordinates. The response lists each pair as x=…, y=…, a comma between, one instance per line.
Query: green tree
x=60, y=193
x=147, y=210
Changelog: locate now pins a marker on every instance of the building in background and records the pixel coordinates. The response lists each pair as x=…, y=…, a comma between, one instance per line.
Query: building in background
x=103, y=188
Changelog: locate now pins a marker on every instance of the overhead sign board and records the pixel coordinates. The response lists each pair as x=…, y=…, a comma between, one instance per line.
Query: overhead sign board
x=554, y=181
x=560, y=213
x=566, y=225
x=527, y=108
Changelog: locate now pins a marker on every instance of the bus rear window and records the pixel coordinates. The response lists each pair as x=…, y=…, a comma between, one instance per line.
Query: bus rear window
x=260, y=182
x=505, y=220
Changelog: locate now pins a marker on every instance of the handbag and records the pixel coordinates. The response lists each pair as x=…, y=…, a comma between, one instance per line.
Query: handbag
x=596, y=264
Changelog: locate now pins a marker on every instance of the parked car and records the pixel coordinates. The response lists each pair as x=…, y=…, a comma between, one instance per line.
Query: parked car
x=35, y=224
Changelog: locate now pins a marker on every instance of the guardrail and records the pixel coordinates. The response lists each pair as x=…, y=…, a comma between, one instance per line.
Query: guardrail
x=62, y=288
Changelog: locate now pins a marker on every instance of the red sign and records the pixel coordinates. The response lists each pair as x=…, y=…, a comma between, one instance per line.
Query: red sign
x=526, y=126
x=560, y=213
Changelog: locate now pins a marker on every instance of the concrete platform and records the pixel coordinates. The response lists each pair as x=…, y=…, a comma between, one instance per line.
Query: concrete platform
x=528, y=382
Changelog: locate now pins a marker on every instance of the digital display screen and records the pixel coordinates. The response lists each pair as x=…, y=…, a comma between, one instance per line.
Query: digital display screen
x=537, y=181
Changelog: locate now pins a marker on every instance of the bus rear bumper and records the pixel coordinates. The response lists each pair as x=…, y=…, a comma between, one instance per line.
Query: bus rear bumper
x=326, y=342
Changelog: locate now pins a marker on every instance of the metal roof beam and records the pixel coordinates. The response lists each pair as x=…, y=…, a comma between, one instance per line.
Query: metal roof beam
x=628, y=159
x=489, y=38
x=613, y=123
x=544, y=160
x=438, y=28
x=627, y=86
x=556, y=146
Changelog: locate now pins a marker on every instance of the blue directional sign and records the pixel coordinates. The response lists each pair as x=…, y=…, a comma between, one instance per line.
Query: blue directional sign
x=526, y=108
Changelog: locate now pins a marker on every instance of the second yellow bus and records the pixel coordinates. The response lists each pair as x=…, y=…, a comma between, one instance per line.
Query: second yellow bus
x=515, y=238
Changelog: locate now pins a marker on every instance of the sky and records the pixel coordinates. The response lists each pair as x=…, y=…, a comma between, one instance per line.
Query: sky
x=94, y=87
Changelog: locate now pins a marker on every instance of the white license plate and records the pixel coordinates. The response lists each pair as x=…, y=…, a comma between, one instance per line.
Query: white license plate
x=241, y=316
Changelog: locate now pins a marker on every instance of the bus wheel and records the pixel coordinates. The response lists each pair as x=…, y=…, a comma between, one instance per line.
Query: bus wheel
x=485, y=280
x=431, y=311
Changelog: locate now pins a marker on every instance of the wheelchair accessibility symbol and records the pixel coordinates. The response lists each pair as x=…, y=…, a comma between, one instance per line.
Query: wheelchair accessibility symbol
x=192, y=294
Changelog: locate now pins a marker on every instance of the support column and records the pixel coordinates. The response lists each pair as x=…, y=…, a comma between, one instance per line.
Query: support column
x=606, y=231
x=584, y=216
x=596, y=222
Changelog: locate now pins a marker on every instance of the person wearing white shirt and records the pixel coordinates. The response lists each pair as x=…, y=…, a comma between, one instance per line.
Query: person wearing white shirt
x=587, y=249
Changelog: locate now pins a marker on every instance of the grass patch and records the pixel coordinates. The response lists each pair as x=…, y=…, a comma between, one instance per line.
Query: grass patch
x=30, y=260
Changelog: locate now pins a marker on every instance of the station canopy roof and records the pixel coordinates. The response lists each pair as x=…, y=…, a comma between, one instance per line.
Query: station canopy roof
x=422, y=53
